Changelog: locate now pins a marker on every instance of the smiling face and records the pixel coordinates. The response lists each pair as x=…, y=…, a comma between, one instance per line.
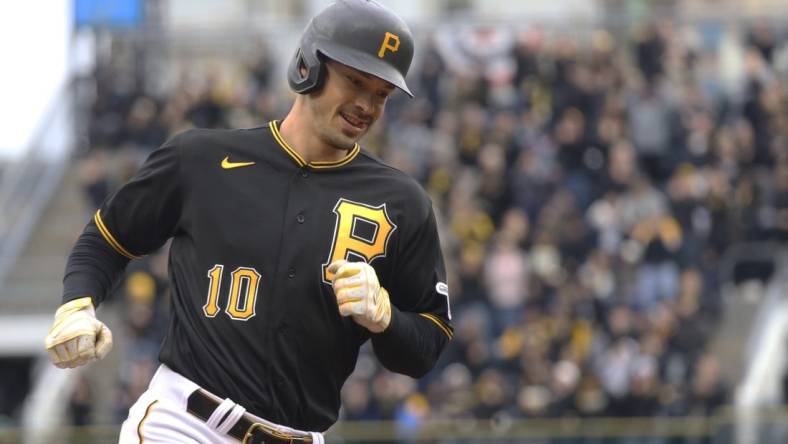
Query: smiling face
x=347, y=105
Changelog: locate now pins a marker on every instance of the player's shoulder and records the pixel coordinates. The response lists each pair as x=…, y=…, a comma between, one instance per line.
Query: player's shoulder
x=211, y=138
x=397, y=182
x=388, y=173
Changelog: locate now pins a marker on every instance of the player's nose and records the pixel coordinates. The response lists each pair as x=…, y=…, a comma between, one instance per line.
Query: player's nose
x=365, y=105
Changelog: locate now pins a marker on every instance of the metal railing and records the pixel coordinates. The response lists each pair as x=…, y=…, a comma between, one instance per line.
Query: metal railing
x=27, y=184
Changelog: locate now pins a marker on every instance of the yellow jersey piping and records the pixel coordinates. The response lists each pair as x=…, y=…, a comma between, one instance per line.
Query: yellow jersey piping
x=274, y=125
x=275, y=131
x=439, y=323
x=111, y=239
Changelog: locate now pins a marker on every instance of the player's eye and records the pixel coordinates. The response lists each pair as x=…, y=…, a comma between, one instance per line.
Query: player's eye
x=355, y=81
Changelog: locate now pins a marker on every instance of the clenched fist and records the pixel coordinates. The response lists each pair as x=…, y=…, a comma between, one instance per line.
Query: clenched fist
x=360, y=295
x=77, y=337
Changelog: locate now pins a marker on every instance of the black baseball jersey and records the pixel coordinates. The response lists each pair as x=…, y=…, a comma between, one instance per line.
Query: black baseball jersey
x=253, y=229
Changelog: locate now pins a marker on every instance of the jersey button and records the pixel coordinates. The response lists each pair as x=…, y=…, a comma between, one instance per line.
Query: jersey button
x=291, y=273
x=300, y=218
x=304, y=174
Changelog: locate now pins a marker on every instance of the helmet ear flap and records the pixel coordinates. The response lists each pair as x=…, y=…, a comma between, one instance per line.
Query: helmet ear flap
x=306, y=72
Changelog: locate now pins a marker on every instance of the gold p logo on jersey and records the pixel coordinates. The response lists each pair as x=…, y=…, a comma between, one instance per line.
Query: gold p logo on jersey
x=390, y=42
x=362, y=231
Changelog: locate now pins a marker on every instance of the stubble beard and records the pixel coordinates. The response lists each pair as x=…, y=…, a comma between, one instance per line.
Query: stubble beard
x=336, y=137
x=328, y=131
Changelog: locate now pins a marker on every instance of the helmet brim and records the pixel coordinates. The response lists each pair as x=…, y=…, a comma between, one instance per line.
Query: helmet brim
x=365, y=63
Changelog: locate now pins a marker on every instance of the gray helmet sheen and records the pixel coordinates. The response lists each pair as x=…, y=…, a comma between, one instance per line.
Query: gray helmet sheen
x=362, y=34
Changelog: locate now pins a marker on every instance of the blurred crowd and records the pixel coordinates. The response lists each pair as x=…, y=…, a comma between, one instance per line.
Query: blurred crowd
x=586, y=188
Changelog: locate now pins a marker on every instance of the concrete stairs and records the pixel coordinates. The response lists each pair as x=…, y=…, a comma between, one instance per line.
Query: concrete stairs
x=743, y=306
x=729, y=344
x=34, y=284
x=31, y=294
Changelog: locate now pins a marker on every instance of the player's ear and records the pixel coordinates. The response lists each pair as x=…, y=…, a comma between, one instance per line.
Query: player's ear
x=302, y=69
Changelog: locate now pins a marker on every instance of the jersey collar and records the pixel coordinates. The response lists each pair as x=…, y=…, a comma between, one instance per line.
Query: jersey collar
x=274, y=125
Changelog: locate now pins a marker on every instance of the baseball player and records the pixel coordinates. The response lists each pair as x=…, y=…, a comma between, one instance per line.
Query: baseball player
x=291, y=247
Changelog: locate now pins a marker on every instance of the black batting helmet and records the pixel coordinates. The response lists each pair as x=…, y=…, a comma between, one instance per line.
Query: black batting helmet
x=362, y=34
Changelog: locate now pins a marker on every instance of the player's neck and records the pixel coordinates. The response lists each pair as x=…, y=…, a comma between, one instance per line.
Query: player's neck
x=305, y=141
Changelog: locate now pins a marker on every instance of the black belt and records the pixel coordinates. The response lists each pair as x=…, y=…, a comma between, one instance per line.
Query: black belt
x=246, y=429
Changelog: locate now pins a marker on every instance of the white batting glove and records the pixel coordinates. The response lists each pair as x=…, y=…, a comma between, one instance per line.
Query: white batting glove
x=77, y=337
x=360, y=295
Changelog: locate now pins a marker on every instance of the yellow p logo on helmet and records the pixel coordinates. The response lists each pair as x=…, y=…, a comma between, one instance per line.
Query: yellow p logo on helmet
x=390, y=42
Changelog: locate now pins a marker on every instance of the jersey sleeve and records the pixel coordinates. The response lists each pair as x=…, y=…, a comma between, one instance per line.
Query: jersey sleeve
x=140, y=217
x=420, y=324
x=420, y=279
x=134, y=221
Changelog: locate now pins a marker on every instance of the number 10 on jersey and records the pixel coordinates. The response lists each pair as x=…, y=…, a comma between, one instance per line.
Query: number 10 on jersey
x=243, y=292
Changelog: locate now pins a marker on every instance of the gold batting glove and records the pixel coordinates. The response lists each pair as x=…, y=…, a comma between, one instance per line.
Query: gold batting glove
x=77, y=337
x=360, y=295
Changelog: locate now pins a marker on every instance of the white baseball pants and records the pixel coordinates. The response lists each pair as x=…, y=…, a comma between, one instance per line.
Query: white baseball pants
x=159, y=416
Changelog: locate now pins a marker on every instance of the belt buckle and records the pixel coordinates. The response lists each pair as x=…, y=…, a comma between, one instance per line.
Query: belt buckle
x=270, y=432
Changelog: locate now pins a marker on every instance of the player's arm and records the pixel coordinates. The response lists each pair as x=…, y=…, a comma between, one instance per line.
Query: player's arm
x=77, y=337
x=409, y=322
x=413, y=343
x=136, y=220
